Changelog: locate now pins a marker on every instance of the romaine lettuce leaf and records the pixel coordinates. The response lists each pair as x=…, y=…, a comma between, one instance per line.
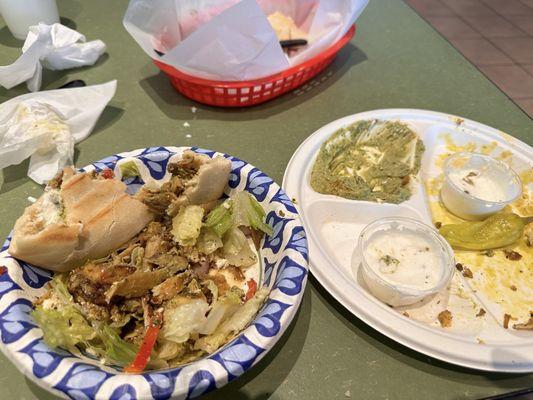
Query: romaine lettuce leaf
x=186, y=225
x=245, y=313
x=236, y=322
x=247, y=211
x=208, y=241
x=114, y=347
x=237, y=250
x=64, y=327
x=222, y=309
x=242, y=209
x=183, y=319
x=129, y=169
x=220, y=219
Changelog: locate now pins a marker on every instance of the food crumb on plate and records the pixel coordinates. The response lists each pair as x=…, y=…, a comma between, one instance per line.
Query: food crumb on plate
x=348, y=394
x=467, y=273
x=527, y=325
x=445, y=318
x=506, y=318
x=186, y=125
x=194, y=109
x=188, y=136
x=32, y=199
x=512, y=255
x=488, y=253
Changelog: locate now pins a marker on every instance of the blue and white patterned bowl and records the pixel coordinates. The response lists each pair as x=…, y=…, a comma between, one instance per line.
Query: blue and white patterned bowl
x=77, y=376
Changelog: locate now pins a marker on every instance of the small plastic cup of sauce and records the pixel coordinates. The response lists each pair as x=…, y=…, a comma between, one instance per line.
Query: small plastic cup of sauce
x=477, y=186
x=403, y=260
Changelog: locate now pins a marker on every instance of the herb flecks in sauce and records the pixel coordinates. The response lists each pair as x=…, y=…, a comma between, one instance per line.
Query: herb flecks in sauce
x=390, y=262
x=370, y=160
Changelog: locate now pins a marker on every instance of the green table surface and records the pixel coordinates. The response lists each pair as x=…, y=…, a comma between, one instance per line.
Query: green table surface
x=395, y=61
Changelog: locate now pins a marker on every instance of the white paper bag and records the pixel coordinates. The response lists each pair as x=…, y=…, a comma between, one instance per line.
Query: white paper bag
x=232, y=40
x=56, y=120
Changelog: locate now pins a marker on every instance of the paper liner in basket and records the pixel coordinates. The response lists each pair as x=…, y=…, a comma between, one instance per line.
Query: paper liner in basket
x=231, y=40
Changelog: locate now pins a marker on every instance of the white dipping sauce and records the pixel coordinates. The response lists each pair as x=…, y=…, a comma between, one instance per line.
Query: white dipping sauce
x=478, y=183
x=403, y=257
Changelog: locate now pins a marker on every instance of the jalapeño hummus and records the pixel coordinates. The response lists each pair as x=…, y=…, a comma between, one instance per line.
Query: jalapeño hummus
x=369, y=160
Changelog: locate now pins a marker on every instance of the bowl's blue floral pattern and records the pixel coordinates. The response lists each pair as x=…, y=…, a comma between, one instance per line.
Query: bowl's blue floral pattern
x=76, y=376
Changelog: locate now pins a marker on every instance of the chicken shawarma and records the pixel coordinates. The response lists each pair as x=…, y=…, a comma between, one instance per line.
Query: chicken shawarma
x=175, y=291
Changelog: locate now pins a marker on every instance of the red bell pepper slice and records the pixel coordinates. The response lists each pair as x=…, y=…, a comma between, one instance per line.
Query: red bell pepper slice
x=252, y=288
x=143, y=355
x=108, y=174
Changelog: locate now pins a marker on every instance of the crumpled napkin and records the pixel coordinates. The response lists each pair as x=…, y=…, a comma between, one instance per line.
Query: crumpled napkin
x=53, y=47
x=232, y=40
x=45, y=126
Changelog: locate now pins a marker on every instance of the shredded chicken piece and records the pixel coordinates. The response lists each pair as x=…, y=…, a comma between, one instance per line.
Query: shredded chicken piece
x=138, y=283
x=156, y=200
x=169, y=288
x=91, y=281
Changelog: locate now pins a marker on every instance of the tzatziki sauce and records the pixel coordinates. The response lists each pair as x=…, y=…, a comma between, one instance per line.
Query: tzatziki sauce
x=478, y=183
x=404, y=257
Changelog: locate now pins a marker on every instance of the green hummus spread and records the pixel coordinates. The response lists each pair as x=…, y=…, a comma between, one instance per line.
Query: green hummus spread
x=369, y=160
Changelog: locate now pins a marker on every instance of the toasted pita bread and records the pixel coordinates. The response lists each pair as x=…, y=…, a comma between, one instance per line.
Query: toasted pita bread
x=85, y=219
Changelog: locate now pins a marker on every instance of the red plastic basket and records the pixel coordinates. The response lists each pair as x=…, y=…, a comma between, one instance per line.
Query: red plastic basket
x=248, y=93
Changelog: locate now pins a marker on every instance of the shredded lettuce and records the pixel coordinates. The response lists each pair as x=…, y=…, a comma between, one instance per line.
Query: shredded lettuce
x=220, y=218
x=168, y=350
x=237, y=250
x=59, y=287
x=248, y=212
x=183, y=319
x=114, y=347
x=234, y=323
x=222, y=309
x=187, y=224
x=62, y=323
x=208, y=241
x=244, y=315
x=242, y=209
x=64, y=327
x=129, y=169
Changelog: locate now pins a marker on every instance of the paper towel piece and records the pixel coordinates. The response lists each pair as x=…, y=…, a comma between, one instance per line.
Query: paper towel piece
x=45, y=126
x=54, y=47
x=231, y=40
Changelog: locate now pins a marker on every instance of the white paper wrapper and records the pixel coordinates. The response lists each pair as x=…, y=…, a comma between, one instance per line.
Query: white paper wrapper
x=46, y=125
x=232, y=40
x=53, y=47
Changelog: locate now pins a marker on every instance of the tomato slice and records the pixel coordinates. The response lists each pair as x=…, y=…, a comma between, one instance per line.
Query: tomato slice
x=108, y=174
x=252, y=288
x=143, y=355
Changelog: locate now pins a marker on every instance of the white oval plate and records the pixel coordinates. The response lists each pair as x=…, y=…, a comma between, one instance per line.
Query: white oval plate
x=333, y=225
